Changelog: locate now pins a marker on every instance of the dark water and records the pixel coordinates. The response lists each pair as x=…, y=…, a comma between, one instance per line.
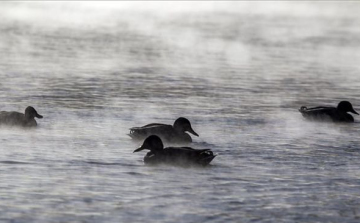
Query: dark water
x=238, y=71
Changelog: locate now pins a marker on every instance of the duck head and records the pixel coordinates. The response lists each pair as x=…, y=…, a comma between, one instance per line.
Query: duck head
x=31, y=113
x=346, y=106
x=182, y=125
x=152, y=143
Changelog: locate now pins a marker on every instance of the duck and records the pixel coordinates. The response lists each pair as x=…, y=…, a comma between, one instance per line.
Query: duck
x=19, y=119
x=334, y=114
x=177, y=156
x=175, y=133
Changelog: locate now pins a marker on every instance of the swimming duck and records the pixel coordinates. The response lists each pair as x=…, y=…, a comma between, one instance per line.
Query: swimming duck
x=20, y=119
x=170, y=134
x=338, y=114
x=183, y=156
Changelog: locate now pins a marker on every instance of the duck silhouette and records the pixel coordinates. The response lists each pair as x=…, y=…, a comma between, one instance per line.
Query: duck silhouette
x=178, y=156
x=168, y=133
x=19, y=119
x=335, y=114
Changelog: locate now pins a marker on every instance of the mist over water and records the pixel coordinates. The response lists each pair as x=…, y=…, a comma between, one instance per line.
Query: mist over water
x=239, y=71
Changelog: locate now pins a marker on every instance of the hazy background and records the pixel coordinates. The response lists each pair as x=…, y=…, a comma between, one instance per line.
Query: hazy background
x=237, y=70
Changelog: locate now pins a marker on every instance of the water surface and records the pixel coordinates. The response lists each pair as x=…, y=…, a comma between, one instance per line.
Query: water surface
x=237, y=71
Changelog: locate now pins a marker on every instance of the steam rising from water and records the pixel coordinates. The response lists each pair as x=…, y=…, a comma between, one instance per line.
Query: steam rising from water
x=35, y=10
x=237, y=70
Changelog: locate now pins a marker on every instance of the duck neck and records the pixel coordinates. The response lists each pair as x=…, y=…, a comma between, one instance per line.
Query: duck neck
x=28, y=116
x=179, y=129
x=157, y=151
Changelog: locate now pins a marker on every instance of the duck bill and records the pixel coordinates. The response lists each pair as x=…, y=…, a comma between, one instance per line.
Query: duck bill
x=354, y=112
x=38, y=116
x=139, y=149
x=193, y=132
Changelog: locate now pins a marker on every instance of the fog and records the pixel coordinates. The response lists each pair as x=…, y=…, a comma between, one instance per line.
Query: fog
x=239, y=71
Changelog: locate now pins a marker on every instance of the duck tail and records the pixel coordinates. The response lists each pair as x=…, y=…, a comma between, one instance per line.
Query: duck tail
x=205, y=160
x=303, y=109
x=133, y=134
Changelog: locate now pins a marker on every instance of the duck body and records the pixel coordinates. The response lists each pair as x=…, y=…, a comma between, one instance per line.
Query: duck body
x=178, y=156
x=169, y=133
x=334, y=114
x=19, y=119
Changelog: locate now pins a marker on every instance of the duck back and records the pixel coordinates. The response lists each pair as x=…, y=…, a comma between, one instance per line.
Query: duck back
x=325, y=114
x=181, y=156
x=166, y=132
x=16, y=119
x=140, y=133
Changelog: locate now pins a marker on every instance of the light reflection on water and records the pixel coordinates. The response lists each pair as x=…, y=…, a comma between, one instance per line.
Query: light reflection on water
x=238, y=77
